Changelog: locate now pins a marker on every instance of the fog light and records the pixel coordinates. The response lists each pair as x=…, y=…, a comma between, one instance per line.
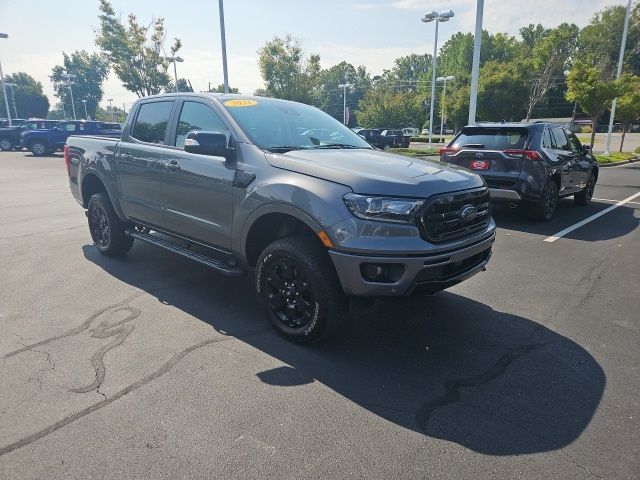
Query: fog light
x=373, y=272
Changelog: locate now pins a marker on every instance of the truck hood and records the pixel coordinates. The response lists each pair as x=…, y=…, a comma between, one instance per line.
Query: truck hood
x=376, y=172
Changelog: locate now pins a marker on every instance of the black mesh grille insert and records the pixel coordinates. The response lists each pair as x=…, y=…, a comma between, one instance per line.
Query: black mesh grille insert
x=455, y=215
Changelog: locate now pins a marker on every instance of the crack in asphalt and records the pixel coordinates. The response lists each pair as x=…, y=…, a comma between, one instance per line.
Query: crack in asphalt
x=167, y=366
x=452, y=388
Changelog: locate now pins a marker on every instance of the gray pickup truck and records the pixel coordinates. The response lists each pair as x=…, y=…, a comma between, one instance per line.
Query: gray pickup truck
x=241, y=183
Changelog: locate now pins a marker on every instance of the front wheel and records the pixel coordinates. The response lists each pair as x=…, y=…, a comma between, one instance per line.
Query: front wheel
x=106, y=228
x=6, y=144
x=584, y=197
x=38, y=148
x=545, y=209
x=299, y=289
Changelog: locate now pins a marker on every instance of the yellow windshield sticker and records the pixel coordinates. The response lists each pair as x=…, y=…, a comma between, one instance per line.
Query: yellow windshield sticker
x=240, y=103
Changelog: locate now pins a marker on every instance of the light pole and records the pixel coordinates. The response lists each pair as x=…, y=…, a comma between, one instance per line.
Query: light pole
x=344, y=87
x=175, y=70
x=86, y=115
x=437, y=17
x=223, y=41
x=475, y=63
x=111, y=109
x=618, y=73
x=13, y=98
x=444, y=94
x=70, y=78
x=4, y=87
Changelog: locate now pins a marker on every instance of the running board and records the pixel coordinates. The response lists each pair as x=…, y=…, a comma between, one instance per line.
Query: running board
x=217, y=265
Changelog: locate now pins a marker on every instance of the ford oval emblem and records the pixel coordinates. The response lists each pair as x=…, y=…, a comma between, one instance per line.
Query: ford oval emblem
x=479, y=155
x=468, y=213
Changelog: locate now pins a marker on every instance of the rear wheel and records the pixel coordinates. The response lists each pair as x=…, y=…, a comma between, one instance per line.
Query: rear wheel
x=545, y=209
x=6, y=144
x=38, y=148
x=584, y=197
x=106, y=228
x=299, y=289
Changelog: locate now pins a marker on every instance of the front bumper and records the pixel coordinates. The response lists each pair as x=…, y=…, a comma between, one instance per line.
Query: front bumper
x=420, y=273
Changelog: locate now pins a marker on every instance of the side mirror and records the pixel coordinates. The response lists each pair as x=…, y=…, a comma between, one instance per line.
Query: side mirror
x=210, y=143
x=586, y=149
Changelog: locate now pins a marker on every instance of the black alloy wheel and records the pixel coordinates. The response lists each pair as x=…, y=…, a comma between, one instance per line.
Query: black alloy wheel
x=99, y=226
x=291, y=298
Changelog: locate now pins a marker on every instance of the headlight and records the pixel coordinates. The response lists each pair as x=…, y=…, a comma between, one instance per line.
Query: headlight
x=386, y=209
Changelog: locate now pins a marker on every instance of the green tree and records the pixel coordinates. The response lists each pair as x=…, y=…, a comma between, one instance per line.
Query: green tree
x=502, y=91
x=594, y=94
x=628, y=104
x=330, y=94
x=411, y=68
x=383, y=107
x=90, y=69
x=135, y=52
x=599, y=42
x=184, y=85
x=287, y=72
x=220, y=89
x=548, y=57
x=30, y=101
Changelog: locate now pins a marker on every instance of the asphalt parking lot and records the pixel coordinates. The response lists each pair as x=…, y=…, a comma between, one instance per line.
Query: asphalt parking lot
x=154, y=367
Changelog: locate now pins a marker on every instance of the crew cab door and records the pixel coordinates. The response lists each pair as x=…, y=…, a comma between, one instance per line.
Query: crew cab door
x=197, y=189
x=60, y=134
x=140, y=162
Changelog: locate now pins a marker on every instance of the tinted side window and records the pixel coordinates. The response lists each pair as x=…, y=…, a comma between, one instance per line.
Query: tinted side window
x=576, y=146
x=69, y=127
x=151, y=123
x=547, y=140
x=560, y=139
x=197, y=116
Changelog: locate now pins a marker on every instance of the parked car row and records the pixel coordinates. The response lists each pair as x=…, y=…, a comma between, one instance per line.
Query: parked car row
x=385, y=138
x=43, y=137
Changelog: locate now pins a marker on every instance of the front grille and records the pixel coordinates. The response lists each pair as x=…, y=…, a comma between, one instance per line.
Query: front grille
x=500, y=183
x=453, y=269
x=441, y=219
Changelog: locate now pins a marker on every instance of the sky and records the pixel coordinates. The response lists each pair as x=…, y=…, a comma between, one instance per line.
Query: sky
x=363, y=32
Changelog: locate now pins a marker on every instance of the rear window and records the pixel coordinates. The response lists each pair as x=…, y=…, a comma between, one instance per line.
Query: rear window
x=151, y=123
x=499, y=138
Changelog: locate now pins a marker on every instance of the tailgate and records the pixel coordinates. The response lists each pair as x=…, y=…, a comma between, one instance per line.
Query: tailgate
x=498, y=152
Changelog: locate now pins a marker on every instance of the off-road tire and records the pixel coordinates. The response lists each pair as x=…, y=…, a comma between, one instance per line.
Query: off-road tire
x=106, y=228
x=325, y=300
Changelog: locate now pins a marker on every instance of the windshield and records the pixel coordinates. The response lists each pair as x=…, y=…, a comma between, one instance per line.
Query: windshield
x=279, y=125
x=491, y=138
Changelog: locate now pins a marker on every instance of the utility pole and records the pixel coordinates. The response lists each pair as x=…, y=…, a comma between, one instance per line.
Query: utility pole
x=70, y=78
x=438, y=17
x=623, y=44
x=224, y=47
x=111, y=108
x=4, y=87
x=344, y=87
x=475, y=64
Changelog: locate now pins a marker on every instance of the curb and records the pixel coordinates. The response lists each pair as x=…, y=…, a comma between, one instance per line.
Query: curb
x=623, y=162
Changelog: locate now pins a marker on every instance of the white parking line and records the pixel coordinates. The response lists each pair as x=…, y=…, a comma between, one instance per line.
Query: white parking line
x=570, y=229
x=612, y=201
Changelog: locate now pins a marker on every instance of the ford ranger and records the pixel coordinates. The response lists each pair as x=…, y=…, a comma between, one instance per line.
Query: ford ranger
x=241, y=183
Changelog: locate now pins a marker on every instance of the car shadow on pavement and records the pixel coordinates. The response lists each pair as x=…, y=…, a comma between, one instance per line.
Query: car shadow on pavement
x=446, y=366
x=618, y=223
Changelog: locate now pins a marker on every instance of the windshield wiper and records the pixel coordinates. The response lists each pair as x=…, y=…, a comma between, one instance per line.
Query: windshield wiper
x=335, y=145
x=284, y=148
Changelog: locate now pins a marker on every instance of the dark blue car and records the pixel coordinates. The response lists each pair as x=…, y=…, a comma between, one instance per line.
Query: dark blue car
x=45, y=142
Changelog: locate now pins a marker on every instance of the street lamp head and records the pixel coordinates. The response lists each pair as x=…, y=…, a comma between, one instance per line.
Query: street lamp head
x=429, y=16
x=178, y=59
x=445, y=15
x=450, y=78
x=4, y=35
x=84, y=101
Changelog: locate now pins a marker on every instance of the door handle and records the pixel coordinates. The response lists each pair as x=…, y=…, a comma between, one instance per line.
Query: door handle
x=126, y=156
x=172, y=166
